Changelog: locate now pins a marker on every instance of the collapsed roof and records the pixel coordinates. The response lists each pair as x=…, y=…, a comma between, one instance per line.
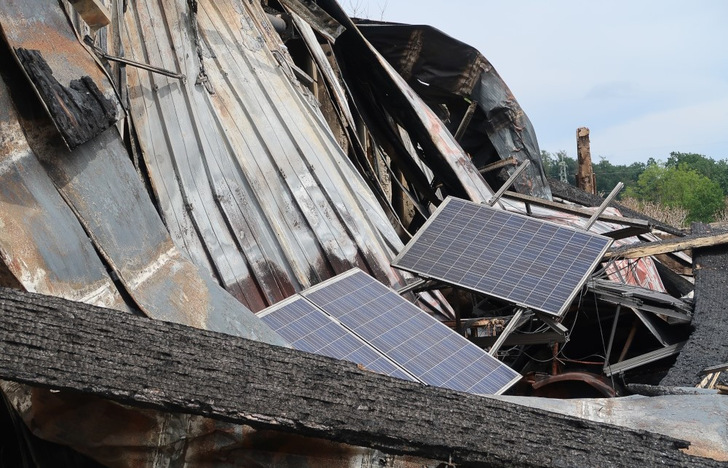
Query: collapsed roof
x=199, y=161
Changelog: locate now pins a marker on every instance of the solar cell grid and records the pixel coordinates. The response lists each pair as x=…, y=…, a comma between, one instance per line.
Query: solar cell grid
x=528, y=261
x=356, y=318
x=308, y=329
x=417, y=342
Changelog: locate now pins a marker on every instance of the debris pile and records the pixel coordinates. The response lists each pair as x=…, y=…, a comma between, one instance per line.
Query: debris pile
x=266, y=233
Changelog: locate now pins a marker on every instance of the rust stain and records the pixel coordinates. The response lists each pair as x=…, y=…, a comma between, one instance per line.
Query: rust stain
x=164, y=272
x=48, y=30
x=42, y=248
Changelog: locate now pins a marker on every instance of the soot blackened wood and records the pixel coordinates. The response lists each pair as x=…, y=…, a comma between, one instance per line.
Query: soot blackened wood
x=80, y=111
x=707, y=345
x=59, y=344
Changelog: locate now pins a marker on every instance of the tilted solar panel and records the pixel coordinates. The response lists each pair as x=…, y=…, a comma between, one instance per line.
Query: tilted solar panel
x=411, y=338
x=308, y=329
x=527, y=261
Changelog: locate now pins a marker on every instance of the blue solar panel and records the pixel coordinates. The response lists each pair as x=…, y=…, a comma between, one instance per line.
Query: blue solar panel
x=309, y=329
x=530, y=262
x=412, y=339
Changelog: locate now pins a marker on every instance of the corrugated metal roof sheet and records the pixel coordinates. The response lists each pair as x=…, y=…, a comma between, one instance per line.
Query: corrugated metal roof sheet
x=43, y=247
x=250, y=182
x=114, y=215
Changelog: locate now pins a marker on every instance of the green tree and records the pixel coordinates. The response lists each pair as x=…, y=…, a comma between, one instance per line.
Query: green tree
x=716, y=171
x=608, y=174
x=679, y=187
x=552, y=165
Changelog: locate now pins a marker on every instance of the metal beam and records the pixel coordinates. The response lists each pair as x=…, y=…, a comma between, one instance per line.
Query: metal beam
x=617, y=188
x=466, y=120
x=507, y=184
x=506, y=331
x=647, y=358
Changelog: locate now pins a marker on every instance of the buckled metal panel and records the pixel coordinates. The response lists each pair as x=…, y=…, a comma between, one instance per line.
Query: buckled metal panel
x=250, y=181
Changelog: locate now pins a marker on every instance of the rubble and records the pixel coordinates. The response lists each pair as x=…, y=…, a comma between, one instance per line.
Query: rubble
x=177, y=167
x=142, y=362
x=705, y=348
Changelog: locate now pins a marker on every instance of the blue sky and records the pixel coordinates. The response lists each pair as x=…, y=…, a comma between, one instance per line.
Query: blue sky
x=647, y=77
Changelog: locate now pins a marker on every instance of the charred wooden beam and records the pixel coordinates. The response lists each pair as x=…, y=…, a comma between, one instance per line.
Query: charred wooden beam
x=74, y=88
x=80, y=111
x=646, y=249
x=54, y=343
x=628, y=231
x=707, y=345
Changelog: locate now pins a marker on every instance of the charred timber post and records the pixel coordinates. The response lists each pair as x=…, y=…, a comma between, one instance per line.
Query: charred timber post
x=466, y=120
x=68, y=346
x=585, y=178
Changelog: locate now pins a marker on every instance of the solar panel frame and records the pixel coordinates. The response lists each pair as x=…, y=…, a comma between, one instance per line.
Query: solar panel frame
x=399, y=329
x=432, y=253
x=307, y=328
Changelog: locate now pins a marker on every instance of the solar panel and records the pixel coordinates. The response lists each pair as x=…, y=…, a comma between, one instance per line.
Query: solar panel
x=411, y=338
x=309, y=329
x=530, y=262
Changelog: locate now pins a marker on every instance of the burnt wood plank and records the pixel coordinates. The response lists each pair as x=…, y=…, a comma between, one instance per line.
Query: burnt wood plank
x=707, y=345
x=73, y=86
x=646, y=249
x=55, y=343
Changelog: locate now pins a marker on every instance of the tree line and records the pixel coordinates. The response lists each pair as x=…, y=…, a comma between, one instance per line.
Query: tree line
x=692, y=184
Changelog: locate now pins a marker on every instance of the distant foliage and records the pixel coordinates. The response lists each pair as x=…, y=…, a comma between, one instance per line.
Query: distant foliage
x=687, y=187
x=679, y=187
x=714, y=170
x=608, y=174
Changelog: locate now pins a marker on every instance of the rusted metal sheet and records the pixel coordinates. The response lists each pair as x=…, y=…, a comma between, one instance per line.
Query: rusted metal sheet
x=42, y=245
x=100, y=184
x=700, y=419
x=250, y=182
x=446, y=72
x=134, y=437
x=46, y=250
x=73, y=86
